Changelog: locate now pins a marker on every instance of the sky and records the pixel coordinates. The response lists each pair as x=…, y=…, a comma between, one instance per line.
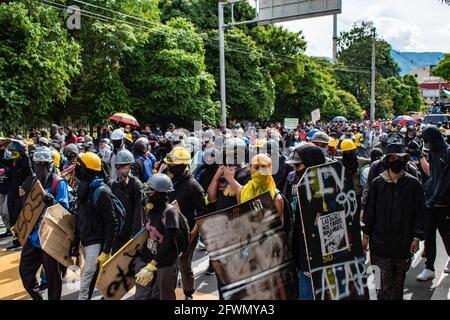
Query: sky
x=408, y=25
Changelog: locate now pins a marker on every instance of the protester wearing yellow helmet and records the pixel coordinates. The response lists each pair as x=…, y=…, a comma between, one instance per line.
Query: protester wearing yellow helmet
x=97, y=223
x=190, y=197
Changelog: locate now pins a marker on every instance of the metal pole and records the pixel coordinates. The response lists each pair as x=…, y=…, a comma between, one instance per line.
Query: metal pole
x=335, y=38
x=222, y=66
x=372, y=91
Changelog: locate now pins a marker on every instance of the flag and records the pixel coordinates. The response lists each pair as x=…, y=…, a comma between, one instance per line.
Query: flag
x=446, y=92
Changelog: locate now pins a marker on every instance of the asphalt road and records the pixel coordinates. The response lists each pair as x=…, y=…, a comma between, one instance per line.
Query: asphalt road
x=11, y=286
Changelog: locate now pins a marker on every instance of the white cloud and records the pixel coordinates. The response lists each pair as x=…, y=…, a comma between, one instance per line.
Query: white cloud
x=409, y=25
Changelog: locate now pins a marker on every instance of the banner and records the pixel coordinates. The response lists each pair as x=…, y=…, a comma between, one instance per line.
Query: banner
x=56, y=234
x=248, y=249
x=116, y=276
x=331, y=224
x=30, y=213
x=290, y=123
x=315, y=115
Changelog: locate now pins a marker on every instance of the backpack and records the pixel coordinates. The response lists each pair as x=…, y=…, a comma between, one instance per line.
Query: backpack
x=183, y=234
x=148, y=167
x=55, y=183
x=119, y=209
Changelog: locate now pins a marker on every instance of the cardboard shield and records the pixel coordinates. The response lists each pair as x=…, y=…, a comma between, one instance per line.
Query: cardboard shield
x=30, y=213
x=116, y=276
x=56, y=234
x=248, y=248
x=331, y=227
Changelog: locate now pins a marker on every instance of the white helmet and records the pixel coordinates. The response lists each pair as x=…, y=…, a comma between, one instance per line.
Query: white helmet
x=117, y=135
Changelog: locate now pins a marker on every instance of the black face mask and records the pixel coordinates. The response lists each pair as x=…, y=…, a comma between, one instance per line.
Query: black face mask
x=350, y=161
x=397, y=166
x=177, y=170
x=117, y=144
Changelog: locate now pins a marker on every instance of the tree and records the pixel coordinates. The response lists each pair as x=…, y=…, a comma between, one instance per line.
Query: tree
x=204, y=13
x=443, y=68
x=167, y=78
x=250, y=88
x=38, y=61
x=99, y=90
x=355, y=51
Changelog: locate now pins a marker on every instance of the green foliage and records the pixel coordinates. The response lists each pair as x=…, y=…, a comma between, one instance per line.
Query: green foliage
x=394, y=95
x=250, y=88
x=167, y=76
x=355, y=51
x=443, y=68
x=38, y=61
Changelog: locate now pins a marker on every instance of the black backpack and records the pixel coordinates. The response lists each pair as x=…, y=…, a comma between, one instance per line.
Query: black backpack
x=183, y=234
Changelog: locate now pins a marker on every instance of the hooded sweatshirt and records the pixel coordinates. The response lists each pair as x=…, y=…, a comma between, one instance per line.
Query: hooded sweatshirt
x=438, y=186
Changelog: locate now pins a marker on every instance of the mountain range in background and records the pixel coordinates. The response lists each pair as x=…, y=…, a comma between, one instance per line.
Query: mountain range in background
x=412, y=60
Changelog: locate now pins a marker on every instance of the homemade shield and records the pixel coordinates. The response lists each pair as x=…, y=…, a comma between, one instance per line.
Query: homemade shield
x=56, y=234
x=30, y=213
x=248, y=248
x=116, y=276
x=331, y=228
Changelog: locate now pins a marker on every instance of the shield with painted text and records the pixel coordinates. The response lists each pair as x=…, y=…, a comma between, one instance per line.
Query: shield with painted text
x=330, y=226
x=249, y=251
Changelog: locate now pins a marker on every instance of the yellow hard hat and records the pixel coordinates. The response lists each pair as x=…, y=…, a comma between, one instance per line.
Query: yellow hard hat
x=333, y=143
x=260, y=143
x=347, y=145
x=56, y=157
x=129, y=137
x=91, y=161
x=178, y=155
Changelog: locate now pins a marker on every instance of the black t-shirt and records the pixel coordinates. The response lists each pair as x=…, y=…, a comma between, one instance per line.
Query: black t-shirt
x=160, y=224
x=225, y=195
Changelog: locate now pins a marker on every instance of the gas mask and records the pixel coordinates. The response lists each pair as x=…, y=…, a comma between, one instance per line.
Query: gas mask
x=43, y=172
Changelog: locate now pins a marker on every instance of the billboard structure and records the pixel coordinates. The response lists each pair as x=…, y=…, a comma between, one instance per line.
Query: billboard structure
x=285, y=10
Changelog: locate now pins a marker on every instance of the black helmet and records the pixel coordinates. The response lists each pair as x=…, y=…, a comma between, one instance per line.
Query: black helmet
x=141, y=146
x=308, y=154
x=160, y=183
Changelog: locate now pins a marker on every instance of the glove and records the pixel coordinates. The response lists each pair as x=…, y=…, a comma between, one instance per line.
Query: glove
x=102, y=258
x=417, y=153
x=145, y=275
x=14, y=234
x=74, y=251
x=49, y=200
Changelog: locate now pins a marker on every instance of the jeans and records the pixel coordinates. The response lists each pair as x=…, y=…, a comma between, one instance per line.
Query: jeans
x=90, y=269
x=393, y=274
x=305, y=291
x=187, y=275
x=162, y=286
x=4, y=210
x=436, y=219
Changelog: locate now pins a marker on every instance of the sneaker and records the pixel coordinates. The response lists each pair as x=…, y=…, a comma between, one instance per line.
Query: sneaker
x=425, y=275
x=447, y=267
x=210, y=270
x=188, y=298
x=201, y=246
x=15, y=246
x=6, y=234
x=43, y=286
